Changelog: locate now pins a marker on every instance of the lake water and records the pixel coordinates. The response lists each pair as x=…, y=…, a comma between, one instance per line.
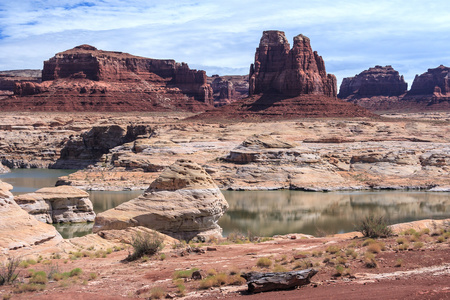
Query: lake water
x=267, y=213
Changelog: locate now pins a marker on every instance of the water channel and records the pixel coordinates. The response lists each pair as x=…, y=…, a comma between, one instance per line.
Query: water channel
x=267, y=213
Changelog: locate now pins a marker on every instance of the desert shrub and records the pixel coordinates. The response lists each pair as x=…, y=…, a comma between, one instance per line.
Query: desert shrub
x=207, y=283
x=418, y=245
x=374, y=227
x=39, y=277
x=425, y=231
x=374, y=248
x=339, y=270
x=237, y=237
x=157, y=293
x=369, y=260
x=76, y=272
x=184, y=273
x=236, y=280
x=30, y=287
x=401, y=241
x=8, y=272
x=368, y=242
x=181, y=289
x=92, y=276
x=145, y=244
x=398, y=263
x=333, y=249
x=264, y=262
x=303, y=264
x=440, y=239
x=403, y=247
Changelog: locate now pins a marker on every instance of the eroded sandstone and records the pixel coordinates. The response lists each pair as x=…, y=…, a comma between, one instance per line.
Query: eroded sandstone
x=183, y=202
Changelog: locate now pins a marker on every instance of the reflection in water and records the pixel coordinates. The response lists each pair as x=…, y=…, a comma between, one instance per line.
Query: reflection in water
x=267, y=213
x=30, y=180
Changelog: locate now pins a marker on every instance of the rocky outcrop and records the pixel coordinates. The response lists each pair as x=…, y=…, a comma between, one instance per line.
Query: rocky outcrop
x=18, y=229
x=183, y=202
x=3, y=169
x=228, y=89
x=291, y=72
x=377, y=81
x=89, y=147
x=87, y=79
x=63, y=204
x=8, y=79
x=287, y=83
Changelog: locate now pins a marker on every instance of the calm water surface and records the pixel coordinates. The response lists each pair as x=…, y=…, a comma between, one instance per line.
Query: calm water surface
x=267, y=213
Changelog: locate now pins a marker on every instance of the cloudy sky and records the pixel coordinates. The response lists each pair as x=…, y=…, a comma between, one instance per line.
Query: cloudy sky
x=221, y=36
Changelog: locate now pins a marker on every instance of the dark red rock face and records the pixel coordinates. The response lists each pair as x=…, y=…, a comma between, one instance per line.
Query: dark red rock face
x=377, y=81
x=434, y=82
x=86, y=79
x=291, y=72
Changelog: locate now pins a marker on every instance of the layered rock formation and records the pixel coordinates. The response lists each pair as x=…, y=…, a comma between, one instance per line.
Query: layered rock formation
x=287, y=83
x=377, y=81
x=228, y=89
x=63, y=204
x=291, y=72
x=18, y=229
x=87, y=79
x=430, y=90
x=183, y=202
x=88, y=147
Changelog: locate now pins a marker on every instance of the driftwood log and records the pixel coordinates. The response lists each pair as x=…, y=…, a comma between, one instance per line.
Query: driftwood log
x=263, y=282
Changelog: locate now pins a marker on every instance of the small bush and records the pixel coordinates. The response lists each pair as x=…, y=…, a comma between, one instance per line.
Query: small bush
x=368, y=242
x=39, y=277
x=303, y=264
x=144, y=244
x=264, y=262
x=8, y=272
x=181, y=289
x=403, y=247
x=279, y=268
x=333, y=249
x=184, y=273
x=440, y=239
x=30, y=287
x=401, y=241
x=92, y=276
x=207, y=283
x=236, y=280
x=398, y=263
x=374, y=248
x=374, y=227
x=418, y=245
x=237, y=237
x=369, y=260
x=157, y=293
x=339, y=270
x=76, y=272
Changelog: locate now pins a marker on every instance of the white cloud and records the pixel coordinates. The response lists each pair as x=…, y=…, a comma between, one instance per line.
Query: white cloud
x=221, y=36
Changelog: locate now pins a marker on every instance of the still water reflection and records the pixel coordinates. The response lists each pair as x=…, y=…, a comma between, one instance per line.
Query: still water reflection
x=267, y=213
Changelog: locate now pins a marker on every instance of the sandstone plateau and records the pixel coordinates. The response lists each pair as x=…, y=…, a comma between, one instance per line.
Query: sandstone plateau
x=64, y=204
x=87, y=79
x=183, y=202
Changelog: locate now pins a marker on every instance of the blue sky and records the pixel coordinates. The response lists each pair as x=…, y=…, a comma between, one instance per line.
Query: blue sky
x=221, y=36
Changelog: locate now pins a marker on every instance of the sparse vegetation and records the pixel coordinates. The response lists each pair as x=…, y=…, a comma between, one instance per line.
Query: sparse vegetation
x=333, y=249
x=398, y=263
x=184, y=273
x=8, y=272
x=369, y=260
x=157, y=293
x=145, y=244
x=374, y=227
x=264, y=262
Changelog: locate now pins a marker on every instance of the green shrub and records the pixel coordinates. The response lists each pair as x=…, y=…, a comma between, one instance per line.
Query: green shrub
x=39, y=277
x=369, y=260
x=264, y=262
x=374, y=227
x=30, y=287
x=76, y=272
x=184, y=273
x=145, y=244
x=333, y=249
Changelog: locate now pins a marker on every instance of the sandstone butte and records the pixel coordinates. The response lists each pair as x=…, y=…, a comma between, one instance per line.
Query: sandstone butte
x=288, y=83
x=183, y=202
x=383, y=89
x=63, y=204
x=87, y=79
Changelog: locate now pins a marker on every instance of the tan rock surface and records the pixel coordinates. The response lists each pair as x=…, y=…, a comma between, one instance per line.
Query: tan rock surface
x=61, y=204
x=183, y=202
x=20, y=230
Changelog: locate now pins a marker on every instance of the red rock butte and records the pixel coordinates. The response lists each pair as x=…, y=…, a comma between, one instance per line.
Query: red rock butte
x=287, y=83
x=87, y=79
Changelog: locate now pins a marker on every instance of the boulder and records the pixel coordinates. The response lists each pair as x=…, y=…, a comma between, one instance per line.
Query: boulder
x=62, y=204
x=3, y=169
x=183, y=202
x=18, y=229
